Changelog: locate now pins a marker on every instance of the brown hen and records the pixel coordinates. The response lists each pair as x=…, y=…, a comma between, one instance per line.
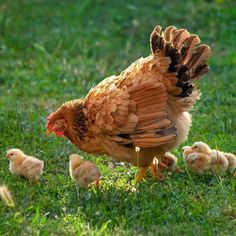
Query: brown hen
x=145, y=106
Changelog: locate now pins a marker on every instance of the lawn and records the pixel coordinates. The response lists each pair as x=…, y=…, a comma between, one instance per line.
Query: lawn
x=54, y=51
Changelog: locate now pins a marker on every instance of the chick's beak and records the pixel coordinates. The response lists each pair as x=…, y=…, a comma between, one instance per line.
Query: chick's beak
x=191, y=150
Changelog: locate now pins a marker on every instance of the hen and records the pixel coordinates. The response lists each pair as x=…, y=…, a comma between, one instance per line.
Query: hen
x=145, y=106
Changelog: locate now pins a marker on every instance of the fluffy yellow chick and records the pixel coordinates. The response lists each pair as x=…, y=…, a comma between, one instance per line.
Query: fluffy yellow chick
x=218, y=160
x=24, y=165
x=196, y=161
x=6, y=196
x=232, y=161
x=83, y=172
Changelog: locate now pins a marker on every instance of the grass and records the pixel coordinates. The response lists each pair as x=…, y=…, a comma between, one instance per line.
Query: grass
x=53, y=51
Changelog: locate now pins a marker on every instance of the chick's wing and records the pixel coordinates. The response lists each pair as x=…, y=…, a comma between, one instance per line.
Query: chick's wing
x=31, y=163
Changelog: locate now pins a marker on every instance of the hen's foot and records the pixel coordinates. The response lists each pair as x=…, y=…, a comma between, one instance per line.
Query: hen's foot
x=162, y=166
x=178, y=170
x=97, y=182
x=141, y=174
x=155, y=170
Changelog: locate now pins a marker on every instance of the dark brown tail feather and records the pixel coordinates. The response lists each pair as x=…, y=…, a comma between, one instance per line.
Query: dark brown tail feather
x=188, y=56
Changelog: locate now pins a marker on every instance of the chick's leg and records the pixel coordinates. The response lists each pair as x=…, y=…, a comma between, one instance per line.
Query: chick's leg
x=141, y=174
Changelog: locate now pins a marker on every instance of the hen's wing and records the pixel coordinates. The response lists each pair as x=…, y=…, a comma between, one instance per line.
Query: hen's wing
x=132, y=108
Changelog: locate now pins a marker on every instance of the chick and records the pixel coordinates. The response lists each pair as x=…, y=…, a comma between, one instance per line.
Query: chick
x=83, y=172
x=196, y=161
x=24, y=165
x=232, y=161
x=6, y=196
x=169, y=162
x=218, y=162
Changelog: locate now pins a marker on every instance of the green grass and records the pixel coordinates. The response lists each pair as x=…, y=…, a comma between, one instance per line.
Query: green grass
x=53, y=51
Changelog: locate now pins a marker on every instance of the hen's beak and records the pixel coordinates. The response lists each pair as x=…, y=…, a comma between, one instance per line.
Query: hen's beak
x=48, y=132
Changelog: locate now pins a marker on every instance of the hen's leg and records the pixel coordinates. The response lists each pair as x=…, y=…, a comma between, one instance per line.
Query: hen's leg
x=97, y=182
x=141, y=174
x=155, y=170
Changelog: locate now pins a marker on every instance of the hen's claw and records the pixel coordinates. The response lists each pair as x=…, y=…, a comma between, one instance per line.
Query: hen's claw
x=141, y=174
x=97, y=182
x=155, y=171
x=178, y=170
x=162, y=166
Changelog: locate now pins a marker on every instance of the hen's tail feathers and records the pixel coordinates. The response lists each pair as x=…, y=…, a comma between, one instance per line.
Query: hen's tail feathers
x=188, y=56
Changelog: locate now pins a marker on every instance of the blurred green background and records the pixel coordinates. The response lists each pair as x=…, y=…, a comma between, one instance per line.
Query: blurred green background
x=53, y=51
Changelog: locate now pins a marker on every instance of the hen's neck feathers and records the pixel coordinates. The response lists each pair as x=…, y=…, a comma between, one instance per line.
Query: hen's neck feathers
x=76, y=129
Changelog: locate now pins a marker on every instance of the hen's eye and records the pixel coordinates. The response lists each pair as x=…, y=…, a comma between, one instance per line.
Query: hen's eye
x=11, y=154
x=57, y=122
x=195, y=147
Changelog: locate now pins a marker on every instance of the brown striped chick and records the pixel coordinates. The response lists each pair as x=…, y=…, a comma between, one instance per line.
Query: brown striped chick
x=169, y=162
x=217, y=159
x=83, y=172
x=23, y=165
x=196, y=161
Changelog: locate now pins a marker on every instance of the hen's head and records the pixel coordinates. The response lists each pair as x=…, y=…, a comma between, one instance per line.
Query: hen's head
x=61, y=121
x=57, y=121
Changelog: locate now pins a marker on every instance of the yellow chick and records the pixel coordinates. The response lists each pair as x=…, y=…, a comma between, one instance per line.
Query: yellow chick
x=232, y=161
x=196, y=161
x=218, y=160
x=6, y=196
x=169, y=162
x=24, y=165
x=83, y=172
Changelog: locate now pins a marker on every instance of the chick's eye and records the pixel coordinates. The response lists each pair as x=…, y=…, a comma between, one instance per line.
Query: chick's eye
x=11, y=154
